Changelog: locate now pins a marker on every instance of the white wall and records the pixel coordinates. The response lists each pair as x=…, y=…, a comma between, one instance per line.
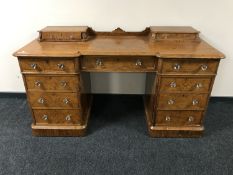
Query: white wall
x=21, y=19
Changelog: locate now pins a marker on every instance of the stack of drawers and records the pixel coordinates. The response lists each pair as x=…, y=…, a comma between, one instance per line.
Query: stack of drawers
x=183, y=88
x=53, y=92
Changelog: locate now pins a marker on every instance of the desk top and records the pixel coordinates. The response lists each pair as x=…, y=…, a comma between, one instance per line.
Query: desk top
x=164, y=42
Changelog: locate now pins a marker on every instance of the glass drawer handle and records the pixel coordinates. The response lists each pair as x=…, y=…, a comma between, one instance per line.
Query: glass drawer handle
x=176, y=66
x=168, y=118
x=68, y=117
x=61, y=66
x=138, y=62
x=173, y=84
x=41, y=101
x=66, y=101
x=63, y=83
x=199, y=85
x=204, y=67
x=33, y=65
x=37, y=83
x=195, y=102
x=99, y=62
x=170, y=102
x=190, y=119
x=45, y=117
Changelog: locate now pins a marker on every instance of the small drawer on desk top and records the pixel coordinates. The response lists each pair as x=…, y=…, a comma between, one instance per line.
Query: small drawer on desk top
x=173, y=66
x=42, y=100
x=118, y=64
x=54, y=117
x=178, y=118
x=185, y=84
x=182, y=101
x=48, y=65
x=52, y=83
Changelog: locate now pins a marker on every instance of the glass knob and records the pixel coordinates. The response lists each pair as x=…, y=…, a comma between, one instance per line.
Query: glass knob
x=61, y=66
x=37, y=83
x=195, y=102
x=199, y=85
x=168, y=118
x=63, y=83
x=66, y=101
x=173, y=84
x=41, y=100
x=99, y=62
x=204, y=67
x=170, y=102
x=176, y=66
x=190, y=119
x=45, y=117
x=138, y=62
x=33, y=65
x=68, y=117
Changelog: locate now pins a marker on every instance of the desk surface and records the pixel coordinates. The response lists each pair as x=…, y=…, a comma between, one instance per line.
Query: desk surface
x=119, y=42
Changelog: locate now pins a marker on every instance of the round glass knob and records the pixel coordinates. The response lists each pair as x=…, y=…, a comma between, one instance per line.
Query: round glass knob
x=176, y=66
x=170, y=102
x=45, y=117
x=173, y=84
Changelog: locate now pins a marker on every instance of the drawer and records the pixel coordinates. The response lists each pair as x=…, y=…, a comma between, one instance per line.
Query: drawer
x=52, y=83
x=172, y=66
x=185, y=84
x=48, y=65
x=53, y=100
x=182, y=101
x=118, y=64
x=54, y=117
x=179, y=118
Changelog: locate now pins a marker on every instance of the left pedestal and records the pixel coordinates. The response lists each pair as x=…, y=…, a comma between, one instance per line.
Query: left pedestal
x=58, y=95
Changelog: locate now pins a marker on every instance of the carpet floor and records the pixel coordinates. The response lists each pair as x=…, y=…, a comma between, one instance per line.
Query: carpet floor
x=117, y=142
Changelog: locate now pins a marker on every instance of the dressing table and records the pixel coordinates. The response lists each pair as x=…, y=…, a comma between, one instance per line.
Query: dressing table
x=180, y=70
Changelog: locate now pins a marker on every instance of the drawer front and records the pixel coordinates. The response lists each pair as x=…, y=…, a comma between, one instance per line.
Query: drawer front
x=189, y=67
x=182, y=101
x=183, y=84
x=179, y=118
x=52, y=83
x=124, y=64
x=46, y=65
x=53, y=100
x=54, y=117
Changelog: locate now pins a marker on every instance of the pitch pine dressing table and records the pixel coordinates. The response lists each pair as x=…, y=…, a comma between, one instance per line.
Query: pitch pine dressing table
x=180, y=69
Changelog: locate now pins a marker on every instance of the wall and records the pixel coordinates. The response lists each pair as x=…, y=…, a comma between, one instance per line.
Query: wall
x=21, y=19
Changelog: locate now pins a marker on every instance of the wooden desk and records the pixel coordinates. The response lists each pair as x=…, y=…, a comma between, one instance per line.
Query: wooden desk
x=179, y=65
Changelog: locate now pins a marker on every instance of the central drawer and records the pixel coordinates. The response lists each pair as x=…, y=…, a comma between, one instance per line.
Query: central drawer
x=182, y=101
x=118, y=64
x=42, y=100
x=54, y=117
x=52, y=83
